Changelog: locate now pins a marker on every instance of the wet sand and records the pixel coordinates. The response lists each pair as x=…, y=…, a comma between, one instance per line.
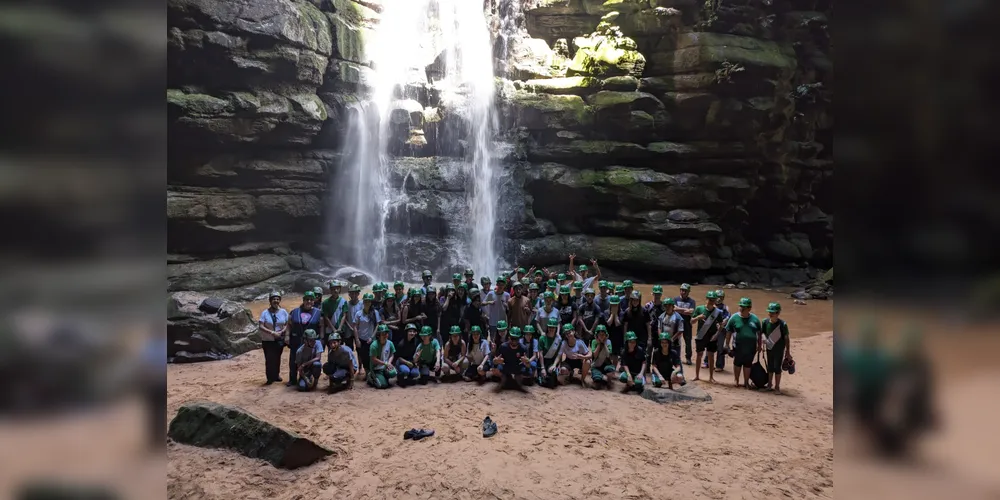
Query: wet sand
x=569, y=442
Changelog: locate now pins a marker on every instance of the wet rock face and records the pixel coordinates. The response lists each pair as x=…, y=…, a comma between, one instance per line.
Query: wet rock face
x=205, y=328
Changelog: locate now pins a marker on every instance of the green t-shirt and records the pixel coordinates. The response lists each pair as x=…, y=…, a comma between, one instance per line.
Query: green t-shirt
x=429, y=353
x=329, y=309
x=701, y=322
x=745, y=329
x=383, y=352
x=769, y=328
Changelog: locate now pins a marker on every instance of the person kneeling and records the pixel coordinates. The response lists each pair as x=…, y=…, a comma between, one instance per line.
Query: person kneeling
x=549, y=348
x=575, y=358
x=309, y=360
x=478, y=356
x=665, y=364
x=530, y=345
x=381, y=353
x=601, y=366
x=406, y=348
x=428, y=356
x=632, y=364
x=454, y=354
x=341, y=365
x=511, y=362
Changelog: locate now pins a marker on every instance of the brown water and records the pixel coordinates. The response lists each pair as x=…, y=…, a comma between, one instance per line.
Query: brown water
x=803, y=321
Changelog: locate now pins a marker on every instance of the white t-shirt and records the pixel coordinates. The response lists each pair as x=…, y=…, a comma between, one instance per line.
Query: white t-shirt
x=276, y=323
x=580, y=347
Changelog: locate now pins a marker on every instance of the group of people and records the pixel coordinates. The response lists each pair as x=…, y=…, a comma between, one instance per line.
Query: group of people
x=531, y=326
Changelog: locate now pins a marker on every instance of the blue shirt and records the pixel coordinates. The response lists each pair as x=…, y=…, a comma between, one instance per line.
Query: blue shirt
x=366, y=323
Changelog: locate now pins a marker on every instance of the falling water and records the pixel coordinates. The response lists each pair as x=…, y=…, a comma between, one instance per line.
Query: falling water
x=411, y=34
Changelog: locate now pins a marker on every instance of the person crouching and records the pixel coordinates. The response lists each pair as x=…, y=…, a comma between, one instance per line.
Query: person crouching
x=478, y=356
x=665, y=365
x=601, y=366
x=575, y=355
x=381, y=353
x=632, y=364
x=511, y=362
x=308, y=359
x=341, y=365
x=406, y=369
x=454, y=354
x=428, y=356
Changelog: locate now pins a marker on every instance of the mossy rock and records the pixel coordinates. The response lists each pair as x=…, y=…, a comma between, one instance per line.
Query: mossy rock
x=551, y=111
x=352, y=39
x=704, y=52
x=602, y=7
x=212, y=425
x=577, y=85
x=827, y=277
x=197, y=104
x=603, y=56
x=621, y=84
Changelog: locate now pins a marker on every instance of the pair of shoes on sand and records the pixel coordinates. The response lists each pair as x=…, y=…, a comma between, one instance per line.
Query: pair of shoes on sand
x=489, y=427
x=418, y=434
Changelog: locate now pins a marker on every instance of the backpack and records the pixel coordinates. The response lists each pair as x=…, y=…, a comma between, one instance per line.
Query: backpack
x=758, y=374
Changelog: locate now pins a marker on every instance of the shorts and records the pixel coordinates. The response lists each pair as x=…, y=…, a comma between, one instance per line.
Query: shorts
x=598, y=373
x=704, y=344
x=774, y=359
x=744, y=354
x=574, y=364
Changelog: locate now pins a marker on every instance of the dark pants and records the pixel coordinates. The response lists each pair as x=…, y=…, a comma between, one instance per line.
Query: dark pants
x=720, y=359
x=364, y=354
x=293, y=368
x=272, y=359
x=156, y=404
x=687, y=344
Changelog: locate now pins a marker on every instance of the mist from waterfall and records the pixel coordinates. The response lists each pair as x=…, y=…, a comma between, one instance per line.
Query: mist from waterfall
x=412, y=35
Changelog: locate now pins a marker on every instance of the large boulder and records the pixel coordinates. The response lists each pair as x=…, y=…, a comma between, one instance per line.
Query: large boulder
x=224, y=273
x=206, y=328
x=694, y=52
x=551, y=111
x=620, y=253
x=213, y=425
x=606, y=53
x=630, y=116
x=689, y=392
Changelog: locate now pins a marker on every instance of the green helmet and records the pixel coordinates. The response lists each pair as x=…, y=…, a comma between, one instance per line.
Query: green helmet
x=525, y=280
x=331, y=284
x=669, y=302
x=382, y=329
x=568, y=327
x=464, y=286
x=485, y=280
x=548, y=295
x=601, y=329
x=474, y=292
x=630, y=336
x=425, y=331
x=551, y=284
x=454, y=330
x=335, y=336
x=581, y=268
x=456, y=277
x=533, y=286
x=449, y=286
x=515, y=332
x=411, y=326
x=627, y=283
x=539, y=272
x=354, y=288
x=774, y=307
x=398, y=284
x=475, y=329
x=380, y=286
x=469, y=272
x=589, y=291
x=636, y=295
x=685, y=286
x=614, y=300
x=521, y=270
x=420, y=291
x=518, y=284
x=657, y=289
x=501, y=325
x=710, y=295
x=602, y=284
x=318, y=290
x=310, y=334
x=529, y=329
x=664, y=336
x=390, y=295
x=561, y=277
x=553, y=322
x=309, y=295
x=411, y=291
x=426, y=273
x=501, y=280
x=745, y=302
x=719, y=294
x=368, y=296
x=564, y=290
x=578, y=285
x=273, y=294
x=619, y=289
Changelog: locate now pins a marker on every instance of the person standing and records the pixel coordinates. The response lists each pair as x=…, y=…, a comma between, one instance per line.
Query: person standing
x=474, y=315
x=615, y=324
x=778, y=344
x=602, y=297
x=518, y=307
x=636, y=319
x=685, y=305
x=302, y=318
x=333, y=309
x=720, y=359
x=672, y=324
x=273, y=325
x=365, y=322
x=745, y=328
x=709, y=320
x=588, y=315
x=427, y=277
x=582, y=272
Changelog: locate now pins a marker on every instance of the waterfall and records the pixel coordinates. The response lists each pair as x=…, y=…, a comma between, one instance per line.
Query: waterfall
x=411, y=36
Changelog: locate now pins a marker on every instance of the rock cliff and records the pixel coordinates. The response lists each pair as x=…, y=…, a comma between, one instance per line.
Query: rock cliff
x=667, y=138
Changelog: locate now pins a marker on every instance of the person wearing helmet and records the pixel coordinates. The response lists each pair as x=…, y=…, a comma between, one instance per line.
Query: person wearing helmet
x=474, y=314
x=655, y=308
x=632, y=364
x=452, y=308
x=546, y=311
x=538, y=278
x=485, y=283
x=406, y=349
x=302, y=318
x=456, y=279
x=550, y=348
x=413, y=310
x=511, y=362
x=501, y=336
x=720, y=358
x=533, y=299
x=379, y=293
x=664, y=363
x=389, y=313
x=602, y=296
x=454, y=364
x=614, y=320
x=582, y=272
x=530, y=345
x=778, y=344
x=309, y=360
x=333, y=309
x=521, y=273
x=398, y=288
x=341, y=365
x=577, y=296
x=745, y=329
x=318, y=292
x=620, y=292
x=563, y=279
x=428, y=356
x=273, y=326
x=684, y=305
x=478, y=356
x=381, y=354
x=552, y=286
x=588, y=316
x=710, y=323
x=638, y=320
x=601, y=366
x=496, y=306
x=567, y=313
x=427, y=278
x=671, y=323
x=628, y=288
x=574, y=359
x=354, y=304
x=470, y=278
x=365, y=322
x=518, y=307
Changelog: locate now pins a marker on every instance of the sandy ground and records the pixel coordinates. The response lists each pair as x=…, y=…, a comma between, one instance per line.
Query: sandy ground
x=569, y=442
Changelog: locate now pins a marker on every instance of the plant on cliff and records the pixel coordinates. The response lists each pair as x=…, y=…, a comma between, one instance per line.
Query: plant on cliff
x=607, y=52
x=725, y=73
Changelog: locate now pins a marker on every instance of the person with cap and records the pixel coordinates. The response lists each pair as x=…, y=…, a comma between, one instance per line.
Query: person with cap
x=588, y=316
x=539, y=279
x=518, y=307
x=341, y=365
x=574, y=359
x=474, y=314
x=632, y=364
x=399, y=288
x=745, y=329
x=567, y=313
x=389, y=312
x=470, y=278
x=577, y=296
x=378, y=291
x=478, y=356
x=684, y=305
x=273, y=326
x=333, y=309
x=406, y=349
x=546, y=311
x=501, y=335
x=720, y=358
x=455, y=352
x=318, y=300
x=511, y=362
x=601, y=366
x=582, y=272
x=365, y=322
x=431, y=312
x=664, y=363
x=778, y=344
x=614, y=321
x=451, y=310
x=428, y=356
x=533, y=299
x=602, y=296
x=521, y=273
x=563, y=279
x=354, y=305
x=427, y=278
x=671, y=323
x=308, y=360
x=552, y=286
x=550, y=348
x=485, y=284
x=302, y=318
x=381, y=353
x=655, y=308
x=628, y=288
x=710, y=323
x=456, y=279
x=530, y=345
x=413, y=310
x=496, y=306
x=620, y=292
x=637, y=319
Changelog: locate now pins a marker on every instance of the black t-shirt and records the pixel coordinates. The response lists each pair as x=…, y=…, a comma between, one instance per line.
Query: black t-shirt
x=406, y=349
x=413, y=310
x=615, y=331
x=590, y=314
x=637, y=318
x=633, y=360
x=474, y=316
x=663, y=362
x=511, y=355
x=453, y=313
x=432, y=309
x=565, y=312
